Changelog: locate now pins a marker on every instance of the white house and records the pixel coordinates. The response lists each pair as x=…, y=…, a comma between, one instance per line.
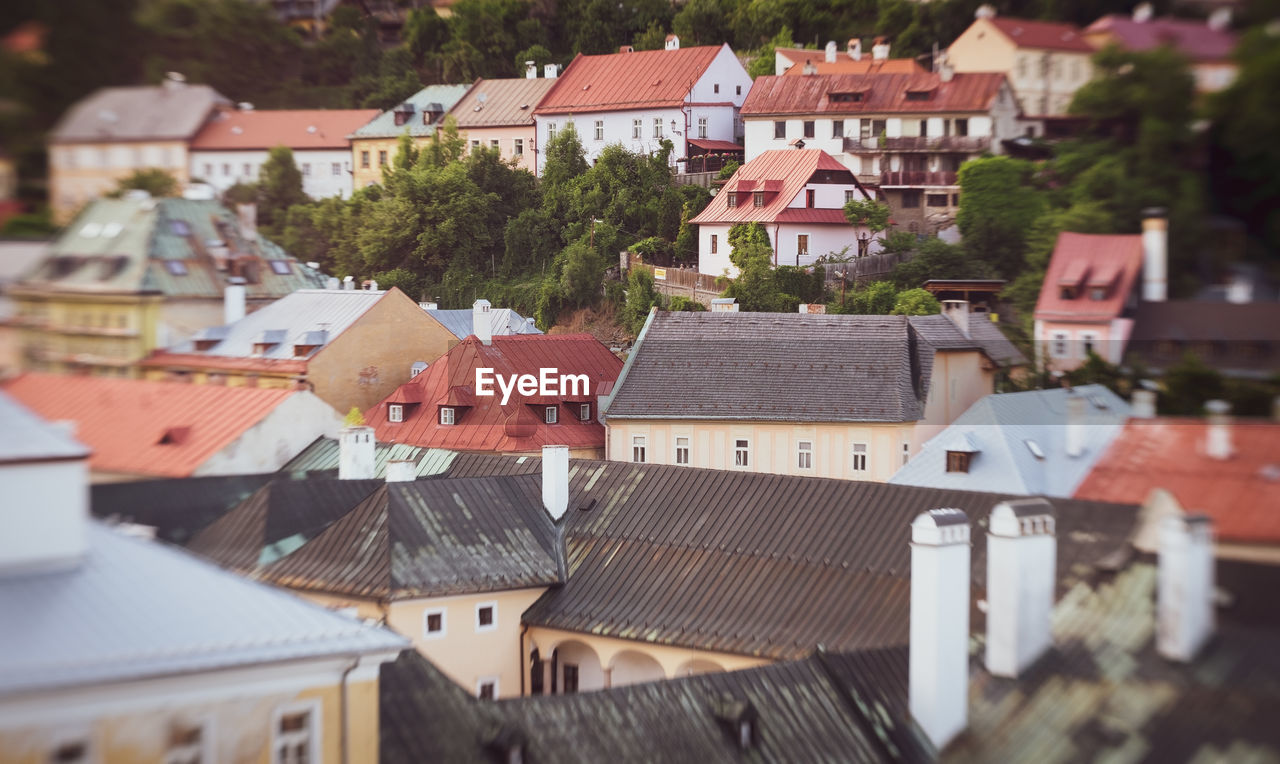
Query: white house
x=234, y=144
x=639, y=98
x=799, y=197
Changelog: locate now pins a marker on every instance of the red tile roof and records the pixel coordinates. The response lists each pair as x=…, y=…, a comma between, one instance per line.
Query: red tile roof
x=880, y=94
x=1050, y=35
x=1078, y=258
x=483, y=424
x=299, y=129
x=1241, y=494
x=645, y=79
x=845, y=65
x=1193, y=39
x=125, y=421
x=781, y=174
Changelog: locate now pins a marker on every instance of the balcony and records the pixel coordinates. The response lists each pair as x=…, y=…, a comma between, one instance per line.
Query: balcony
x=917, y=178
x=959, y=143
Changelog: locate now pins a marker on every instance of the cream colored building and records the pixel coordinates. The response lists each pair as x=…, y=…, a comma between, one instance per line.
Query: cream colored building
x=498, y=114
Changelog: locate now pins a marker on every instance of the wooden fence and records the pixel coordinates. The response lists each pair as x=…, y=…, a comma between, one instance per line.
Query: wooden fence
x=863, y=269
x=686, y=282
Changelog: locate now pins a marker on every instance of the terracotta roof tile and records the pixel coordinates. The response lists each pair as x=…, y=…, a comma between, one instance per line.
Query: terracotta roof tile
x=299, y=129
x=881, y=94
x=1076, y=258
x=1050, y=35
x=640, y=80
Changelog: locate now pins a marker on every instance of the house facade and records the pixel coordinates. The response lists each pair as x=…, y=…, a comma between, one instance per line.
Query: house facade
x=116, y=131
x=902, y=135
x=799, y=197
x=1045, y=61
x=1207, y=45
x=374, y=145
x=638, y=99
x=234, y=144
x=498, y=114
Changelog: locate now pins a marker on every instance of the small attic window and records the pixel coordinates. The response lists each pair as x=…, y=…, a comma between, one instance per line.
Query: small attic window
x=174, y=436
x=175, y=267
x=179, y=228
x=280, y=267
x=917, y=95
x=1035, y=449
x=90, y=230
x=958, y=461
x=854, y=97
x=1097, y=293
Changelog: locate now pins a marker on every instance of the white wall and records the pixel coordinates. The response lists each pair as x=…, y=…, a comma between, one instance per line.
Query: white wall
x=280, y=436
x=223, y=169
x=44, y=513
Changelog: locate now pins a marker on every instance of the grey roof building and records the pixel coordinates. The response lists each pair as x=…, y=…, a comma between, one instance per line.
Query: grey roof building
x=943, y=333
x=461, y=322
x=1021, y=443
x=172, y=111
x=432, y=102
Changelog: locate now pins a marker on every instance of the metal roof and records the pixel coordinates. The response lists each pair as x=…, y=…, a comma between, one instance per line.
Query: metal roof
x=972, y=92
x=1047, y=35
x=1192, y=38
x=461, y=322
x=384, y=125
x=299, y=129
x=178, y=508
x=501, y=103
x=642, y=79
x=1081, y=253
x=784, y=173
x=135, y=609
x=25, y=437
x=1238, y=339
x=844, y=63
x=172, y=111
x=322, y=457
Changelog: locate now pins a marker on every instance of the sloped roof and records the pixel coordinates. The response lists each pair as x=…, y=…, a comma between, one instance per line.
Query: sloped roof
x=299, y=129
x=322, y=457
x=1043, y=35
x=25, y=437
x=178, y=508
x=460, y=322
x=881, y=94
x=1235, y=338
x=984, y=335
x=789, y=170
x=145, y=113
x=854, y=369
x=844, y=64
x=501, y=103
x=135, y=609
x=1002, y=427
x=1075, y=257
x=643, y=79
x=483, y=424
x=384, y=125
x=1194, y=39
x=134, y=426
x=1240, y=494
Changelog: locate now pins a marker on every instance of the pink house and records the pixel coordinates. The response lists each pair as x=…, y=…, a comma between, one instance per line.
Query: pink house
x=499, y=114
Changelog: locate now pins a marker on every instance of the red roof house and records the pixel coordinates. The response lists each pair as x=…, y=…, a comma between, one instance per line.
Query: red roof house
x=1208, y=46
x=442, y=407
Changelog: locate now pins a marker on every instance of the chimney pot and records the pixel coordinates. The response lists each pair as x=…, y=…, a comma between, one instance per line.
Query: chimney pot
x=233, y=301
x=880, y=51
x=402, y=471
x=1075, y=425
x=356, y=453
x=830, y=52
x=855, y=48
x=673, y=42
x=531, y=70
x=1143, y=405
x=1185, y=586
x=482, y=322
x=555, y=480
x=1155, y=255
x=1218, y=437
x=938, y=685
x=958, y=312
x=1021, y=565
x=550, y=71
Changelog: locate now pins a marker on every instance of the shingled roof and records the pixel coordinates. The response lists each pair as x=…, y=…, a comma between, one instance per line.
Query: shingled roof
x=984, y=335
x=833, y=368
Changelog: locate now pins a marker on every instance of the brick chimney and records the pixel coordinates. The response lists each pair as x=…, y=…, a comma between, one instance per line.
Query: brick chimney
x=938, y=687
x=482, y=321
x=1184, y=596
x=1021, y=566
x=356, y=453
x=555, y=480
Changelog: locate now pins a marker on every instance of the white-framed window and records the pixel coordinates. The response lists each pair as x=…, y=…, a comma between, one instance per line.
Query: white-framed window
x=1088, y=344
x=682, y=450
x=848, y=195
x=599, y=129
x=584, y=412
x=638, y=449
x=741, y=452
x=657, y=127
x=493, y=144
x=702, y=127
x=551, y=414
x=226, y=170
x=715, y=240
x=208, y=170
x=475, y=145
x=860, y=452
x=306, y=169
x=189, y=744
x=295, y=733
x=434, y=623
x=804, y=454
x=447, y=415
x=395, y=412
x=487, y=688
x=486, y=617
x=551, y=130
x=637, y=128
x=1058, y=347
x=335, y=168
x=906, y=452
x=517, y=146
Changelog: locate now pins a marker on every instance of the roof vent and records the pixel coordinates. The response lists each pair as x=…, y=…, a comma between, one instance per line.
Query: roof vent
x=1035, y=449
x=174, y=436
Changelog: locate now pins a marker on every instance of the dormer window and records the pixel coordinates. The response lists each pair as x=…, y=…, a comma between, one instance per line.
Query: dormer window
x=584, y=412
x=758, y=198
x=395, y=412
x=1067, y=292
x=447, y=416
x=917, y=95
x=1097, y=293
x=958, y=461
x=732, y=199
x=550, y=414
x=845, y=97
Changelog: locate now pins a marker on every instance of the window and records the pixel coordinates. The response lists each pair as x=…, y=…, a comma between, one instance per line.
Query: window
x=682, y=450
x=475, y=145
x=702, y=127
x=208, y=170
x=570, y=678
x=808, y=128
x=1022, y=67
x=1058, y=348
x=958, y=461
x=382, y=158
x=175, y=267
x=550, y=414
x=935, y=200
x=758, y=198
x=657, y=127
x=296, y=735
x=551, y=130
x=779, y=129
x=186, y=745
x=955, y=200
x=809, y=195
x=486, y=616
x=395, y=412
x=517, y=147
x=487, y=688
x=742, y=453
x=738, y=91
x=917, y=95
x=837, y=128
x=433, y=623
x=859, y=457
x=906, y=452
x=849, y=195
x=1097, y=293
x=493, y=144
x=447, y=415
x=637, y=128
x=280, y=267
x=715, y=243
x=802, y=244
x=962, y=127
x=306, y=169
x=911, y=199
x=1088, y=343
x=638, y=449
x=804, y=454
x=335, y=168
x=226, y=169
x=731, y=199
x=364, y=159
x=715, y=88
x=599, y=129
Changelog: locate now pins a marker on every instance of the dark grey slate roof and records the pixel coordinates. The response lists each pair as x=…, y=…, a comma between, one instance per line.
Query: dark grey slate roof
x=775, y=366
x=178, y=508
x=943, y=334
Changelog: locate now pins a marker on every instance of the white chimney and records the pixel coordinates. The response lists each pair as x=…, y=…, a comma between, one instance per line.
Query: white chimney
x=985, y=12
x=1218, y=436
x=247, y=217
x=831, y=52
x=1184, y=594
x=1075, y=428
x=402, y=471
x=555, y=480
x=429, y=305
x=673, y=42
x=531, y=70
x=482, y=322
x=332, y=283
x=958, y=312
x=810, y=67
x=855, y=48
x=1143, y=12
x=938, y=687
x=371, y=285
x=1239, y=289
x=1155, y=255
x=233, y=301
x=1021, y=567
x=355, y=453
x=549, y=71
x=348, y=283
x=880, y=51
x=1143, y=404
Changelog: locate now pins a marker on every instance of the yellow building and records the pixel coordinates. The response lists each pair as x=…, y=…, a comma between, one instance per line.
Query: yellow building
x=142, y=653
x=117, y=131
x=374, y=145
x=132, y=275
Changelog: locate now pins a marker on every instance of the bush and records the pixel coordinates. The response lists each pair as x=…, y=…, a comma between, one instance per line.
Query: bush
x=682, y=303
x=915, y=302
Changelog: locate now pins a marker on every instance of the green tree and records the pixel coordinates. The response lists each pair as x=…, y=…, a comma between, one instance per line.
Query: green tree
x=154, y=181
x=867, y=213
x=1188, y=384
x=582, y=275
x=425, y=32
x=875, y=299
x=915, y=302
x=641, y=296
x=566, y=159
x=764, y=59
x=935, y=259
x=652, y=38
x=279, y=188
x=538, y=54
x=700, y=22
x=997, y=207
x=406, y=154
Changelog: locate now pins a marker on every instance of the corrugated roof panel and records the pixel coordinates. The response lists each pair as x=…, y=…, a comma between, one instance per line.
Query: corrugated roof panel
x=883, y=94
x=636, y=80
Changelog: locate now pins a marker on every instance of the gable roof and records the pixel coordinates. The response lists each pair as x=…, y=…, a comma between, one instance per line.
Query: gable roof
x=135, y=609
x=984, y=335
x=782, y=174
x=147, y=428
x=999, y=430
x=855, y=369
x=501, y=103
x=1238, y=339
x=178, y=508
x=1194, y=39
x=320, y=459
x=461, y=322
x=483, y=423
x=1043, y=35
x=643, y=79
x=1082, y=260
x=171, y=111
x=299, y=129
x=844, y=64
x=880, y=94
x=1240, y=494
x=384, y=125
